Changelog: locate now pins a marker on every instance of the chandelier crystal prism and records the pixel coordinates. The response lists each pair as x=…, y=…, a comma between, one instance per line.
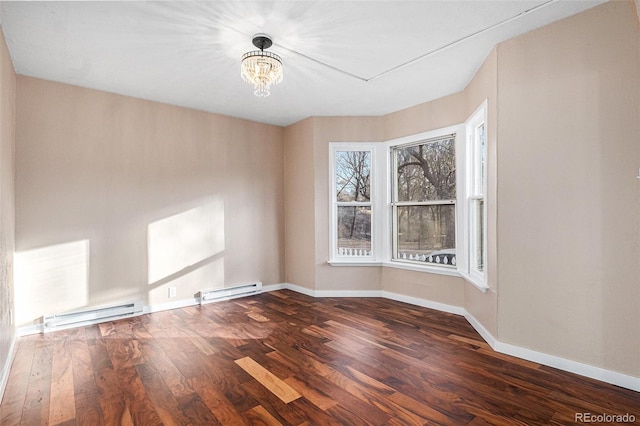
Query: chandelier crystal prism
x=260, y=68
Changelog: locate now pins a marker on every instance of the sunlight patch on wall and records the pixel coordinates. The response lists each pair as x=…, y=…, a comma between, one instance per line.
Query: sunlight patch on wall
x=190, y=281
x=51, y=280
x=180, y=244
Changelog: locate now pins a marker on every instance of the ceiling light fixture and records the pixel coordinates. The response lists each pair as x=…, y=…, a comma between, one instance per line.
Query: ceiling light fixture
x=260, y=68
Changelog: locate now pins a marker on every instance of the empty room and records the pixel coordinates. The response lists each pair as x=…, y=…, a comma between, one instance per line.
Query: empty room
x=320, y=212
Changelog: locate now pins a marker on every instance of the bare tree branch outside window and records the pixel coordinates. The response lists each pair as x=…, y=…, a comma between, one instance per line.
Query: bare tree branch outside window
x=426, y=174
x=353, y=186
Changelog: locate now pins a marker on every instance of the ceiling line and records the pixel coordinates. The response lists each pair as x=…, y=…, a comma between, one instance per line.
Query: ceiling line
x=321, y=63
x=453, y=43
x=425, y=55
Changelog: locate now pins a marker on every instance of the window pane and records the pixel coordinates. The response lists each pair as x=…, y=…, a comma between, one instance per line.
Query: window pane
x=478, y=235
x=354, y=231
x=479, y=160
x=353, y=176
x=427, y=171
x=482, y=157
x=427, y=233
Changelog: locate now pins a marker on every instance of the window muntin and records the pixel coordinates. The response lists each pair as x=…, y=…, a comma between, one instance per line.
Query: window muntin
x=352, y=203
x=423, y=202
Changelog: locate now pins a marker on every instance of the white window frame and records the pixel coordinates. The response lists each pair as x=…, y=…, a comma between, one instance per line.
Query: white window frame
x=458, y=130
x=475, y=189
x=335, y=258
x=381, y=199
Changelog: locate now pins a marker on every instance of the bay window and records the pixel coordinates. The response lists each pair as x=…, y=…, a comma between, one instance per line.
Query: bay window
x=417, y=202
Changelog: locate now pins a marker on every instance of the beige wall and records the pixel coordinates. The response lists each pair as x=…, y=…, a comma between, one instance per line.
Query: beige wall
x=568, y=199
x=254, y=203
x=429, y=287
x=299, y=204
x=7, y=201
x=119, y=198
x=443, y=112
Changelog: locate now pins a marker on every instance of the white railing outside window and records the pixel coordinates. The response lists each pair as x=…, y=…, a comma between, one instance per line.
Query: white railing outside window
x=352, y=183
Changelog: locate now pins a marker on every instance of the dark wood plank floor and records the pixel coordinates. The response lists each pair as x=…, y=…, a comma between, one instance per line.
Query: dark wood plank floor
x=285, y=358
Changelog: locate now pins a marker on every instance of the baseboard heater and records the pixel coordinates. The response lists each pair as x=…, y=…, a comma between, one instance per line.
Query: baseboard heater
x=226, y=293
x=92, y=316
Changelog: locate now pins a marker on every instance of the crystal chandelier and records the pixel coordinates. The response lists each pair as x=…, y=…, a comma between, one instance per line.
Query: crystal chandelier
x=260, y=68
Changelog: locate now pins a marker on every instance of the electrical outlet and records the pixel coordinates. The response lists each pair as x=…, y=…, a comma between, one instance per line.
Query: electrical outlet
x=172, y=292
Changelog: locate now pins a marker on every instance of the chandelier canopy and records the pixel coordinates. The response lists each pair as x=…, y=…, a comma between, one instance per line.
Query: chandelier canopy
x=260, y=68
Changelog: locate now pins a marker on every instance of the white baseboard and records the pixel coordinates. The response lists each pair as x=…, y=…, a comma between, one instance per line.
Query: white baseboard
x=148, y=309
x=443, y=307
x=369, y=293
x=608, y=376
x=348, y=293
x=323, y=293
x=4, y=378
x=26, y=330
x=274, y=287
x=483, y=332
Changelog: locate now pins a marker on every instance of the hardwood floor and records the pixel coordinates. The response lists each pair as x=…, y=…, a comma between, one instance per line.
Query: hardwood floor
x=285, y=358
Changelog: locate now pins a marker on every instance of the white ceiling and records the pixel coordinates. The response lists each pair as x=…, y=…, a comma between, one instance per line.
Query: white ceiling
x=340, y=57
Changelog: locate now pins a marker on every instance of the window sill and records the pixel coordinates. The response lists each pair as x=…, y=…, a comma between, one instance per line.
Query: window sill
x=354, y=263
x=479, y=285
x=398, y=265
x=452, y=272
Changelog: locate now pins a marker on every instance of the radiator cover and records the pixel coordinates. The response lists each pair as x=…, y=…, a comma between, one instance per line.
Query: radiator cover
x=91, y=316
x=226, y=293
